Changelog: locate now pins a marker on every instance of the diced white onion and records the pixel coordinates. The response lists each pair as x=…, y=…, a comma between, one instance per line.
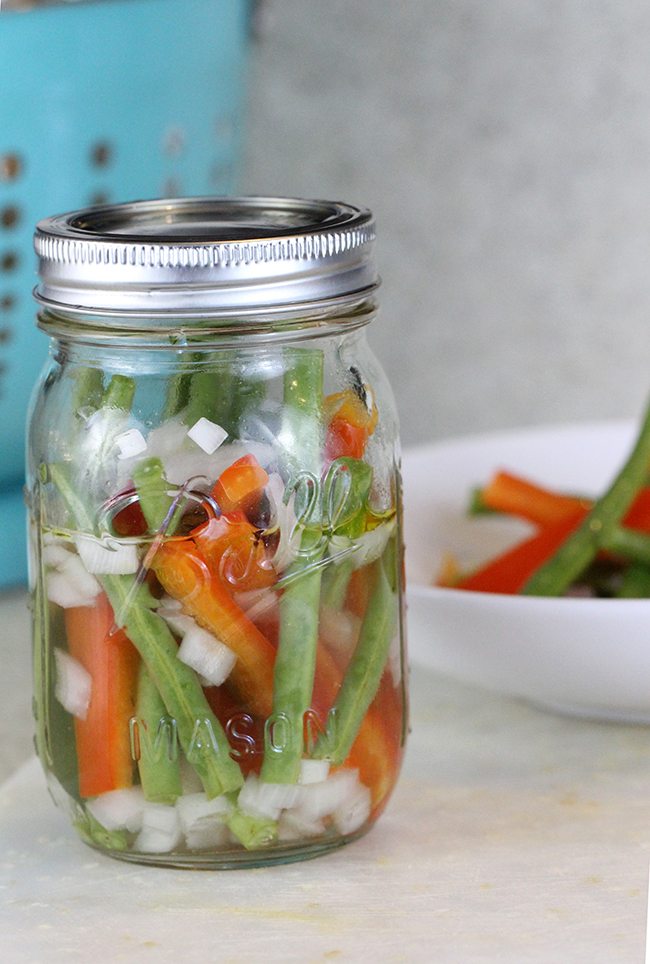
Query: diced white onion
x=257, y=602
x=395, y=659
x=205, y=654
x=313, y=771
x=292, y=826
x=119, y=809
x=283, y=518
x=318, y=800
x=207, y=435
x=56, y=555
x=64, y=592
x=170, y=605
x=363, y=549
x=190, y=780
x=161, y=830
x=353, y=811
x=196, y=812
x=109, y=557
x=70, y=585
x=207, y=837
x=73, y=687
x=261, y=799
x=184, y=460
x=339, y=629
x=130, y=443
x=177, y=621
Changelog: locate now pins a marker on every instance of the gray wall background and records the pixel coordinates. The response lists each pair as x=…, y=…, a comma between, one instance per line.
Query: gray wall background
x=505, y=148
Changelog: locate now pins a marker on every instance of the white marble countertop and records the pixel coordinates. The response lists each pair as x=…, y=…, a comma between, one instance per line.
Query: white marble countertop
x=514, y=836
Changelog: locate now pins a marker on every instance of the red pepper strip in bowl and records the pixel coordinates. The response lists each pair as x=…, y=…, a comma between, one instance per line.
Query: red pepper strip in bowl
x=511, y=570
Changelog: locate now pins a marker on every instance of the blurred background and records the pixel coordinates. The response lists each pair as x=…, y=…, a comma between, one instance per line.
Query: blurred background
x=504, y=148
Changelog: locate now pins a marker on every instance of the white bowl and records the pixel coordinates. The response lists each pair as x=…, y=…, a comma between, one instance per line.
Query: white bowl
x=587, y=657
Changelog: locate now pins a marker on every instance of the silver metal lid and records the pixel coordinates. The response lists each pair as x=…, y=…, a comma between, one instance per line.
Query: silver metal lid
x=204, y=256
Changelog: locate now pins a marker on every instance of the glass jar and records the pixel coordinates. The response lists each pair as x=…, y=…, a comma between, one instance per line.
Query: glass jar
x=216, y=559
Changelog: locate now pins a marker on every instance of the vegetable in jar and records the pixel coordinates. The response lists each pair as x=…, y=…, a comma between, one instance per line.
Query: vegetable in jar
x=215, y=531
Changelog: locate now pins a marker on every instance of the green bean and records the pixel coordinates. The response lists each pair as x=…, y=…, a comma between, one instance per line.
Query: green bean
x=88, y=390
x=295, y=663
x=119, y=393
x=252, y=832
x=336, y=580
x=636, y=582
x=201, y=735
x=158, y=761
x=210, y=394
x=155, y=501
x=91, y=830
x=362, y=677
x=345, y=493
x=576, y=553
x=631, y=544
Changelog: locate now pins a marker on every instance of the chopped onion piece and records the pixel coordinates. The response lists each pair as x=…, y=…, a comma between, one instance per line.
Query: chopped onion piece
x=207, y=435
x=363, y=549
x=339, y=629
x=292, y=826
x=190, y=780
x=179, y=622
x=353, y=812
x=109, y=557
x=207, y=837
x=71, y=584
x=56, y=555
x=196, y=812
x=283, y=518
x=313, y=771
x=257, y=602
x=73, y=684
x=205, y=654
x=65, y=592
x=161, y=831
x=130, y=444
x=119, y=809
x=318, y=800
x=395, y=660
x=262, y=799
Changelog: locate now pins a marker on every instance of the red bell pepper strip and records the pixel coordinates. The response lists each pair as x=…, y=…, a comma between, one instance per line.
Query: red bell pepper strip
x=235, y=553
x=184, y=574
x=638, y=515
x=511, y=570
x=103, y=738
x=376, y=751
x=240, y=486
x=350, y=425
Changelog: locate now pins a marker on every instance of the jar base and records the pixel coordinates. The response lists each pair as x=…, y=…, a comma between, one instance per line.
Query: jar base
x=233, y=860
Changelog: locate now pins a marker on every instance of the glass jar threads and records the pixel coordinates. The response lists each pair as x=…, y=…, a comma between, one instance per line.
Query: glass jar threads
x=215, y=531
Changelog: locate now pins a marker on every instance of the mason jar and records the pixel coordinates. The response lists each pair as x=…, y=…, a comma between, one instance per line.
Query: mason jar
x=216, y=559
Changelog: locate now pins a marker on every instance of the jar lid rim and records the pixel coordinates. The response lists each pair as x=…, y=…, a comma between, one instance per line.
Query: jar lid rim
x=204, y=253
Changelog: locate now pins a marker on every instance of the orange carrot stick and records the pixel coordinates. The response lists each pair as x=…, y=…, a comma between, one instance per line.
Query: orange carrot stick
x=183, y=573
x=514, y=495
x=103, y=739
